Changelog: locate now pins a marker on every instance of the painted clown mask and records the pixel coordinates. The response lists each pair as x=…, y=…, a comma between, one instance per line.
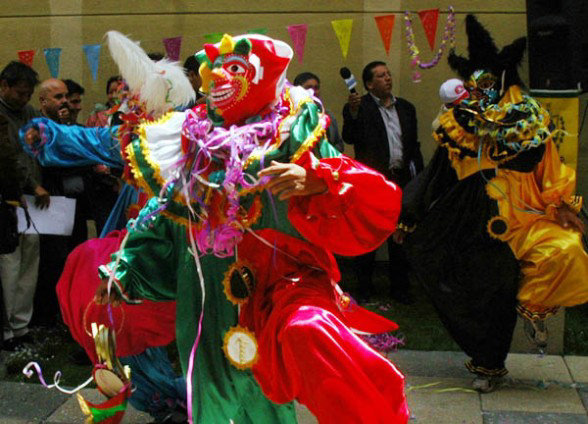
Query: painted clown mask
x=243, y=76
x=483, y=87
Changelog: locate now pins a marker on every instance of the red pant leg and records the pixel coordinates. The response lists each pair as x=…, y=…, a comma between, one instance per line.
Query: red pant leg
x=320, y=362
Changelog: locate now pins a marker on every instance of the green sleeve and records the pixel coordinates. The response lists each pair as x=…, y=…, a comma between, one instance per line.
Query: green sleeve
x=148, y=263
x=308, y=133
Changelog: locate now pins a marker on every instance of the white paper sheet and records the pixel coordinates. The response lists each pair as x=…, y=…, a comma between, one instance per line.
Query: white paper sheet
x=57, y=219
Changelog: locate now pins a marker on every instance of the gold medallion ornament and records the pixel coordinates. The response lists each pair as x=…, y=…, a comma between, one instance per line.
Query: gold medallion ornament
x=240, y=347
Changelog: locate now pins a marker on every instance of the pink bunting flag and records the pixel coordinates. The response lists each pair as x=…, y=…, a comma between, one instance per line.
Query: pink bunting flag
x=429, y=20
x=385, y=26
x=172, y=47
x=298, y=36
x=26, y=57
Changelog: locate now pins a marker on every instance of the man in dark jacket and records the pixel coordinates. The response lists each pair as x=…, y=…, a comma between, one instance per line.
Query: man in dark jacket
x=383, y=131
x=19, y=269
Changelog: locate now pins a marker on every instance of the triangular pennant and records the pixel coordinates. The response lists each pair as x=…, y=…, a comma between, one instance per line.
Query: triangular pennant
x=385, y=26
x=262, y=31
x=342, y=29
x=298, y=36
x=52, y=57
x=213, y=37
x=172, y=47
x=429, y=20
x=92, y=52
x=26, y=57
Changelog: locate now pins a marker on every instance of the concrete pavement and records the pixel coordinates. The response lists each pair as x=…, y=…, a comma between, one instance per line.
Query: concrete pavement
x=539, y=390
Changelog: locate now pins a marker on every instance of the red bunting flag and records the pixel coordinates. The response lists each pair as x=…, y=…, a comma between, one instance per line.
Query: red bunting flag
x=385, y=26
x=26, y=57
x=429, y=20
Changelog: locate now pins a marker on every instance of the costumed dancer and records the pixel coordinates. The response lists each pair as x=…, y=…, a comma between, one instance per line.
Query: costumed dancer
x=142, y=332
x=252, y=274
x=494, y=218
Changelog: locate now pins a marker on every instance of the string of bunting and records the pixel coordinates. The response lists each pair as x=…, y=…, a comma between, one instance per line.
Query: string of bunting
x=342, y=28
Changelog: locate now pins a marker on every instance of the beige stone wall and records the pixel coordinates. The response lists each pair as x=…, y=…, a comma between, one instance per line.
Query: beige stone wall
x=69, y=24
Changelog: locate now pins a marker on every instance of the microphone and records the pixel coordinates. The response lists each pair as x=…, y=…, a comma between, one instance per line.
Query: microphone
x=349, y=79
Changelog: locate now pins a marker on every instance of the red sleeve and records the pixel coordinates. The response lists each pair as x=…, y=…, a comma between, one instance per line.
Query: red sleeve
x=358, y=212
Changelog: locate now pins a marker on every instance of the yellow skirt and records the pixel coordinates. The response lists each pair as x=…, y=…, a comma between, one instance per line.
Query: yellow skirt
x=554, y=266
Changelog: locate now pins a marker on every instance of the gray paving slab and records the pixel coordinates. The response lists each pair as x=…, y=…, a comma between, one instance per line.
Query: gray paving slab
x=535, y=367
x=578, y=366
x=431, y=364
x=28, y=403
x=442, y=401
x=529, y=397
x=533, y=418
x=583, y=392
x=303, y=415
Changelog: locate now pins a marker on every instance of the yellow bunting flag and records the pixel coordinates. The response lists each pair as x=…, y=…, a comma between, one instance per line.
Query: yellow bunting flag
x=342, y=29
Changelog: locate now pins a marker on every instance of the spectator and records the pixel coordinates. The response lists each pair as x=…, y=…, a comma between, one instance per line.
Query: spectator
x=59, y=181
x=19, y=269
x=309, y=81
x=74, y=100
x=192, y=66
x=101, y=115
x=383, y=131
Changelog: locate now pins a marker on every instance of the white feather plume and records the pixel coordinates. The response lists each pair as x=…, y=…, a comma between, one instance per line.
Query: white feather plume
x=162, y=85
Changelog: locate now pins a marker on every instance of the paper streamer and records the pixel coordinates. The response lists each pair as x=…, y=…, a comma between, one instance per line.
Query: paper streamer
x=92, y=52
x=342, y=29
x=52, y=56
x=298, y=36
x=172, y=47
x=385, y=26
x=429, y=20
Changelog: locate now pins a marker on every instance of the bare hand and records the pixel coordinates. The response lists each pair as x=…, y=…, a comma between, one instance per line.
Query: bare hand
x=354, y=101
x=32, y=136
x=64, y=115
x=398, y=236
x=290, y=180
x=567, y=218
x=42, y=198
x=102, y=298
x=101, y=169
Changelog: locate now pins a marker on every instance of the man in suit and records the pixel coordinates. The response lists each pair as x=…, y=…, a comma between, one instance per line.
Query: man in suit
x=383, y=131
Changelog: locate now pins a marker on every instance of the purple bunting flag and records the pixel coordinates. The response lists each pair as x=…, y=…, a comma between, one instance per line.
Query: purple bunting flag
x=172, y=47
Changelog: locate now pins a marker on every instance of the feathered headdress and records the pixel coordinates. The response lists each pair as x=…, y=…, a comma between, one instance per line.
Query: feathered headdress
x=483, y=54
x=161, y=85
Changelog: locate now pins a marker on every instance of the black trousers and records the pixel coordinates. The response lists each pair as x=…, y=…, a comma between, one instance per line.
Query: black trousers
x=397, y=270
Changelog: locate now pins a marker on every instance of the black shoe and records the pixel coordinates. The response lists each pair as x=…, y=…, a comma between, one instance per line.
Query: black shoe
x=403, y=297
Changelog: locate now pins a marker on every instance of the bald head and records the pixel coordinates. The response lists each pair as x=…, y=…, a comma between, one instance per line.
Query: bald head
x=53, y=99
